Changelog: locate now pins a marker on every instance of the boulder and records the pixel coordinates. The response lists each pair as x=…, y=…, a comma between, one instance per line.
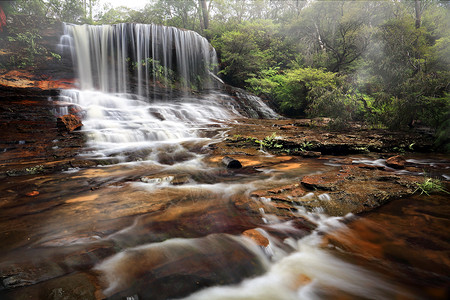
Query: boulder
x=69, y=123
x=396, y=162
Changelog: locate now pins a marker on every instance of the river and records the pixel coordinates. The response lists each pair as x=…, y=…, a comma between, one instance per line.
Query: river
x=160, y=217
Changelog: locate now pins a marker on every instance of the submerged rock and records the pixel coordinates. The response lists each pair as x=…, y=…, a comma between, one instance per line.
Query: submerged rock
x=257, y=237
x=178, y=267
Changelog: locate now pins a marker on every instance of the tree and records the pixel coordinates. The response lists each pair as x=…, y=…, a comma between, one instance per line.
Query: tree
x=333, y=34
x=204, y=16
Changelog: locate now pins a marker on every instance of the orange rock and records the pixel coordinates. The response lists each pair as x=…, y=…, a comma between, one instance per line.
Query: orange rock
x=282, y=206
x=257, y=237
x=259, y=194
x=302, y=279
x=32, y=193
x=288, y=127
x=69, y=123
x=396, y=162
x=24, y=79
x=326, y=181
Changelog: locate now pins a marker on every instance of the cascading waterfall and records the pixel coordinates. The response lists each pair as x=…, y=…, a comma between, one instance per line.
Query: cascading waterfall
x=130, y=58
x=133, y=87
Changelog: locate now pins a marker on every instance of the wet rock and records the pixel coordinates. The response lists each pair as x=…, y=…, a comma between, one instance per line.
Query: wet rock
x=288, y=127
x=32, y=193
x=310, y=153
x=69, y=123
x=28, y=269
x=369, y=167
x=176, y=179
x=409, y=234
x=82, y=163
x=25, y=81
x=231, y=163
x=351, y=189
x=280, y=193
x=172, y=157
x=180, y=179
x=157, y=180
x=157, y=114
x=74, y=286
x=314, y=135
x=29, y=137
x=325, y=182
x=176, y=268
x=396, y=162
x=257, y=237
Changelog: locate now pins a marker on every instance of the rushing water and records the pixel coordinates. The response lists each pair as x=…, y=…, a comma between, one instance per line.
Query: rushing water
x=163, y=220
x=146, y=238
x=125, y=114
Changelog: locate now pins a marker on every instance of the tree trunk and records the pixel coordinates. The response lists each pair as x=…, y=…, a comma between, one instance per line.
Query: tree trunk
x=418, y=11
x=205, y=16
x=200, y=15
x=231, y=163
x=90, y=10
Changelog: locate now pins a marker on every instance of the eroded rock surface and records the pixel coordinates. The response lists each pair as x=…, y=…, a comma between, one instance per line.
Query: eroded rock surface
x=69, y=123
x=312, y=137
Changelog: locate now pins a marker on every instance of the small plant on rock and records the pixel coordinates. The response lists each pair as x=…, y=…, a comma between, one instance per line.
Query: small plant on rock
x=271, y=142
x=430, y=185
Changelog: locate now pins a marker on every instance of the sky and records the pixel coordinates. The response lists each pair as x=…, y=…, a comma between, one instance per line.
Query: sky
x=135, y=4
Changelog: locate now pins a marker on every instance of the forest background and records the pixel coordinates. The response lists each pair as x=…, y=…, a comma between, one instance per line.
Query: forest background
x=385, y=64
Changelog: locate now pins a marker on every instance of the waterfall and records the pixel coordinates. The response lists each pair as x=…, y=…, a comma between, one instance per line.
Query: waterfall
x=131, y=58
x=134, y=82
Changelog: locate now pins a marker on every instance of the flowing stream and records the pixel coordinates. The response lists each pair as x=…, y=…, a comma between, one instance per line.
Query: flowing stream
x=161, y=220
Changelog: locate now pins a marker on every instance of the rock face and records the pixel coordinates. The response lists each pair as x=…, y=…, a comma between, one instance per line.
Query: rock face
x=69, y=123
x=46, y=69
x=25, y=80
x=30, y=141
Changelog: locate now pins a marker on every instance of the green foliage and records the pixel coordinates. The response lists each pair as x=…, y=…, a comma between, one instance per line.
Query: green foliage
x=370, y=61
x=248, y=49
x=309, y=91
x=430, y=185
x=443, y=130
x=270, y=142
x=30, y=48
x=118, y=15
x=334, y=34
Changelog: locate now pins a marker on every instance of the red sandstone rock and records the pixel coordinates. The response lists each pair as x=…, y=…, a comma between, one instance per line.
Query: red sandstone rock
x=24, y=79
x=353, y=188
x=288, y=127
x=257, y=237
x=326, y=181
x=69, y=123
x=32, y=193
x=396, y=162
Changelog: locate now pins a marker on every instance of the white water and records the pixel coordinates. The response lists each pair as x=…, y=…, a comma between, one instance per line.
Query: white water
x=124, y=115
x=124, y=58
x=126, y=74
x=310, y=271
x=119, y=123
